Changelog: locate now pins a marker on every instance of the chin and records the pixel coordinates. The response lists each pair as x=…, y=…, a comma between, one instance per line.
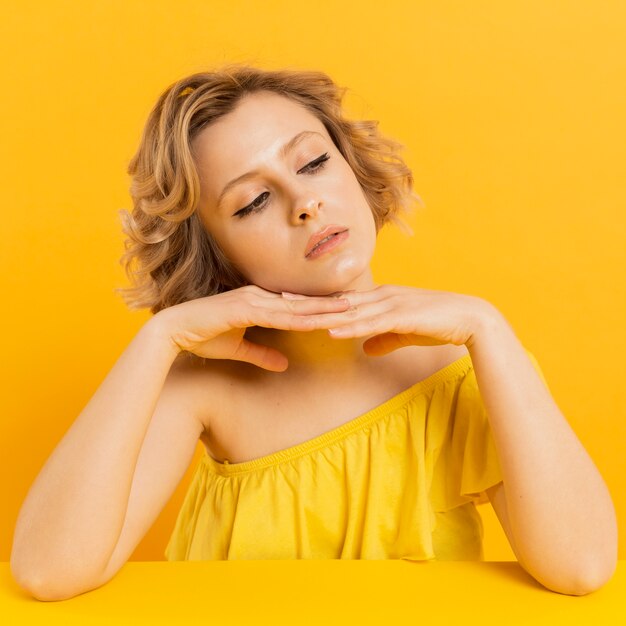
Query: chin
x=342, y=272
x=336, y=280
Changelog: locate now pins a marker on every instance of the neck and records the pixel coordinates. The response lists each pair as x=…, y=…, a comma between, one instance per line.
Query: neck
x=316, y=351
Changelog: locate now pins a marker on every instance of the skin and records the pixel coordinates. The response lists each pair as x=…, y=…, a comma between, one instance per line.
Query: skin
x=315, y=367
x=268, y=245
x=561, y=482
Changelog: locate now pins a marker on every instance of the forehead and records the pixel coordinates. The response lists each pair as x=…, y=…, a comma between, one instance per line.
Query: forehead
x=250, y=134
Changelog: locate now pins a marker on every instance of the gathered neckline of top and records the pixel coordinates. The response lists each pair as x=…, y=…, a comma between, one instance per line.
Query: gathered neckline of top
x=331, y=436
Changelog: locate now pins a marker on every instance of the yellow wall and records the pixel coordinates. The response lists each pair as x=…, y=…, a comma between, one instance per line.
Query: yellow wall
x=513, y=117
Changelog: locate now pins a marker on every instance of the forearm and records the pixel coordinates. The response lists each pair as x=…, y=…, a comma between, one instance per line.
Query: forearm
x=561, y=513
x=71, y=519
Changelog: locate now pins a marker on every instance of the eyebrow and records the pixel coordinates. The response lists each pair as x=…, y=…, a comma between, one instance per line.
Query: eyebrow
x=288, y=147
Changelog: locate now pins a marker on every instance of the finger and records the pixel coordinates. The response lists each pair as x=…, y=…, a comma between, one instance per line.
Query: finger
x=373, y=318
x=310, y=306
x=385, y=343
x=299, y=296
x=268, y=298
x=283, y=314
x=368, y=296
x=293, y=296
x=388, y=342
x=362, y=328
x=285, y=320
x=339, y=294
x=262, y=356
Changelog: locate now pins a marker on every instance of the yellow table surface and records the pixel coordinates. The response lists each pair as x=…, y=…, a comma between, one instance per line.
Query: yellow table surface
x=319, y=592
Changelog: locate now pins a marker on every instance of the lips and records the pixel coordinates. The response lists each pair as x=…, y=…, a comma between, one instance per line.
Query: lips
x=321, y=235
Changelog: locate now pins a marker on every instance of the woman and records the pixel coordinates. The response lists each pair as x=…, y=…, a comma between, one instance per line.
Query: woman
x=256, y=209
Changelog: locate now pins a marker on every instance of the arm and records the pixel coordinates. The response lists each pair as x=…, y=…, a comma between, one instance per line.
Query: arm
x=120, y=461
x=560, y=517
x=77, y=526
x=552, y=502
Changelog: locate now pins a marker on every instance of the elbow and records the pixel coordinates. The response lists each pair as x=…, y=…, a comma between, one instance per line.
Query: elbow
x=581, y=586
x=576, y=569
x=599, y=568
x=47, y=590
x=41, y=587
x=597, y=576
x=56, y=574
x=48, y=586
x=31, y=583
x=584, y=581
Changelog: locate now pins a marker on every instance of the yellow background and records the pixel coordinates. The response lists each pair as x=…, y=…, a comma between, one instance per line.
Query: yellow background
x=512, y=114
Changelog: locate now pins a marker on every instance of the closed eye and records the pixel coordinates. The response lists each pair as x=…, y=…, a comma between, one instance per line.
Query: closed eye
x=257, y=204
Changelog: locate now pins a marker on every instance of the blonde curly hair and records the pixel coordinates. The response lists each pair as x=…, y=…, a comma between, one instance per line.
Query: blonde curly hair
x=169, y=255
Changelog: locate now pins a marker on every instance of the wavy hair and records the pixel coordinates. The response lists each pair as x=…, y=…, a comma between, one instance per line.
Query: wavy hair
x=169, y=256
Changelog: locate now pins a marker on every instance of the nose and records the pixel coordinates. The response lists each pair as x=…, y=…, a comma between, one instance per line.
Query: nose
x=304, y=209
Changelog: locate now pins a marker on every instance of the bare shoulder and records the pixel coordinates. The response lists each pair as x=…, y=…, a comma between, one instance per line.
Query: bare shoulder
x=437, y=358
x=202, y=383
x=431, y=359
x=214, y=387
x=448, y=354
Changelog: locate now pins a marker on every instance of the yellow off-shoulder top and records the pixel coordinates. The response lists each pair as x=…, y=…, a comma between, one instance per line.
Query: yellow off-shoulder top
x=398, y=482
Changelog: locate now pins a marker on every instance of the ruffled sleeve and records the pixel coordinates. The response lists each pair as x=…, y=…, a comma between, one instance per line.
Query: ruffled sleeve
x=465, y=457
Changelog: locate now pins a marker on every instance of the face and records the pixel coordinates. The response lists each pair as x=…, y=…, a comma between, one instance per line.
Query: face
x=273, y=185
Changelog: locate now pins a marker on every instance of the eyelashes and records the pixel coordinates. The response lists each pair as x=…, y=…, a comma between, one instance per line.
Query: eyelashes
x=258, y=203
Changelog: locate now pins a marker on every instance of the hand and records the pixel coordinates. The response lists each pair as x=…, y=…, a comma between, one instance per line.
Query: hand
x=402, y=316
x=213, y=327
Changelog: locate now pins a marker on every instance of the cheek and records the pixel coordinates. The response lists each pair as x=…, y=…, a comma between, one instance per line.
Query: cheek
x=249, y=248
x=254, y=249
x=367, y=218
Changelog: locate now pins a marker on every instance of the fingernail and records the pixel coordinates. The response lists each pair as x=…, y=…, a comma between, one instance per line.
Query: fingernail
x=290, y=296
x=336, y=332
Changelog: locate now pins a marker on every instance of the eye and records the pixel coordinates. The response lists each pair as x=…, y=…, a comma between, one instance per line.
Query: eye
x=257, y=204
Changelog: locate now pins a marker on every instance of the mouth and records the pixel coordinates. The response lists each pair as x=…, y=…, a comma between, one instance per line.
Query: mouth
x=324, y=239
